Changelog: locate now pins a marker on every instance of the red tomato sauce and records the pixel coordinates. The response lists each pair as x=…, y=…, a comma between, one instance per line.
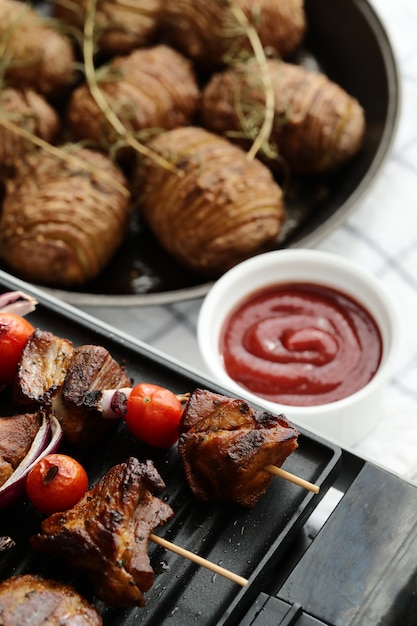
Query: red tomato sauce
x=301, y=344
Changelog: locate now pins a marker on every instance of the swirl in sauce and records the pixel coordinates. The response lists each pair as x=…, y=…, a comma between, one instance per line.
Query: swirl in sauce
x=301, y=344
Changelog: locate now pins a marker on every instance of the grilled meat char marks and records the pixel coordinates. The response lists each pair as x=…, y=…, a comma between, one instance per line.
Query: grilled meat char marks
x=54, y=374
x=91, y=369
x=106, y=534
x=225, y=447
x=29, y=599
x=16, y=436
x=42, y=368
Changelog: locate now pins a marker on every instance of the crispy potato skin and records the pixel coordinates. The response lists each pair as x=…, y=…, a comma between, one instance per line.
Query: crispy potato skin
x=36, y=54
x=163, y=66
x=30, y=111
x=60, y=222
x=317, y=125
x=208, y=32
x=220, y=207
x=151, y=88
x=122, y=26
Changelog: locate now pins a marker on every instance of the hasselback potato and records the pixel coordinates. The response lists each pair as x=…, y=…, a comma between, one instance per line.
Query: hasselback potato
x=151, y=88
x=34, y=53
x=317, y=125
x=208, y=31
x=31, y=112
x=62, y=220
x=121, y=25
x=220, y=207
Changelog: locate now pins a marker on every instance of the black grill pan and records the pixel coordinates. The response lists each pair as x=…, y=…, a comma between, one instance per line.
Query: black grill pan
x=249, y=543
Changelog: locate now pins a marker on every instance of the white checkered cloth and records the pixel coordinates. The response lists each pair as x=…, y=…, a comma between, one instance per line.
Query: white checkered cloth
x=381, y=236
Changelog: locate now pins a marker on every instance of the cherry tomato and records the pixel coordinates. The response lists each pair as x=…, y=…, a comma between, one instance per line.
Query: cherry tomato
x=56, y=483
x=153, y=415
x=14, y=333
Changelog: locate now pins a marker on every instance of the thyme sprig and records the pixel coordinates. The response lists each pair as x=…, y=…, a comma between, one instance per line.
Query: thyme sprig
x=102, y=102
x=61, y=153
x=264, y=134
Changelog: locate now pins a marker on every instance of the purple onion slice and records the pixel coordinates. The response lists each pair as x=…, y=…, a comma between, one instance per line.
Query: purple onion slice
x=112, y=402
x=47, y=440
x=17, y=302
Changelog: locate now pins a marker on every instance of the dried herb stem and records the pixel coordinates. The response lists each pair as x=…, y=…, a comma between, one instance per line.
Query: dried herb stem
x=100, y=99
x=259, y=52
x=61, y=154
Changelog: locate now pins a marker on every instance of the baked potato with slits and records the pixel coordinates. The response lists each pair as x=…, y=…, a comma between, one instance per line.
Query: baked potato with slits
x=61, y=221
x=121, y=25
x=217, y=209
x=317, y=125
x=34, y=53
x=31, y=112
x=151, y=88
x=208, y=32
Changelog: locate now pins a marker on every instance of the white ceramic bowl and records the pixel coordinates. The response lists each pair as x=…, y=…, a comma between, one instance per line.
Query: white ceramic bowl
x=344, y=421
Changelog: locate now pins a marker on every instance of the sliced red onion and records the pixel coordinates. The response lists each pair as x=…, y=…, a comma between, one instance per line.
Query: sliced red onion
x=47, y=440
x=17, y=302
x=112, y=403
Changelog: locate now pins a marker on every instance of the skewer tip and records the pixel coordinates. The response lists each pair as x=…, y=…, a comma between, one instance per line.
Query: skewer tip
x=293, y=478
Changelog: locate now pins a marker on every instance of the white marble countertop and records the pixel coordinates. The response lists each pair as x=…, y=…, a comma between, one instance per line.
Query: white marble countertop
x=381, y=235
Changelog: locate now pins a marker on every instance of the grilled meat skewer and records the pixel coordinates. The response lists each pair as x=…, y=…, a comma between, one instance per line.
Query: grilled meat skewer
x=42, y=368
x=91, y=368
x=16, y=436
x=226, y=446
x=54, y=374
x=105, y=535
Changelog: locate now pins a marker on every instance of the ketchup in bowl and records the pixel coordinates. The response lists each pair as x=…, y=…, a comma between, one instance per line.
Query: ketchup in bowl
x=301, y=344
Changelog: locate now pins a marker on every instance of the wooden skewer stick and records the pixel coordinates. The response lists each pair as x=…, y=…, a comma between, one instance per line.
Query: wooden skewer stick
x=184, y=397
x=292, y=478
x=199, y=560
x=217, y=569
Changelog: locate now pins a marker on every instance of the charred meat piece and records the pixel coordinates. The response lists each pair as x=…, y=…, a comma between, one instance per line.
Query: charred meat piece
x=6, y=470
x=225, y=446
x=29, y=599
x=42, y=368
x=16, y=436
x=91, y=369
x=54, y=374
x=106, y=534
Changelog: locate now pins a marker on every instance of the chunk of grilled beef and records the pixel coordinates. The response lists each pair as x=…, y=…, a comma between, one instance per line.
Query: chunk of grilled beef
x=29, y=599
x=42, y=368
x=91, y=369
x=6, y=470
x=54, y=374
x=106, y=534
x=16, y=436
x=225, y=446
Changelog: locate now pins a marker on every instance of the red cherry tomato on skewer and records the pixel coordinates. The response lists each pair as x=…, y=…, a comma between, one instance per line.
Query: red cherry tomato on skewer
x=14, y=333
x=153, y=414
x=56, y=483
